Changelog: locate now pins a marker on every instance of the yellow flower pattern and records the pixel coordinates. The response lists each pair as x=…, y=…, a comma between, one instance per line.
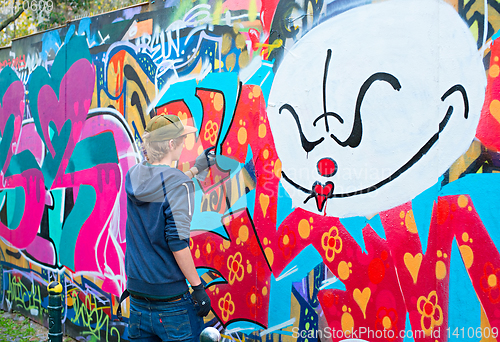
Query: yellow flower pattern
x=236, y=268
x=332, y=243
x=226, y=306
x=211, y=131
x=432, y=314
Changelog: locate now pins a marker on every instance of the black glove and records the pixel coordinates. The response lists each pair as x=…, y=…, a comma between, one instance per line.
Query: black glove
x=203, y=300
x=204, y=161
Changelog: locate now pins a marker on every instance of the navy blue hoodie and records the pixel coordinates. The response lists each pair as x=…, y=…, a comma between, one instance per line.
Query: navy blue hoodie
x=160, y=202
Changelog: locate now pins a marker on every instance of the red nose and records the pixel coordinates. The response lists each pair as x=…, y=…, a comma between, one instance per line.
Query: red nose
x=327, y=167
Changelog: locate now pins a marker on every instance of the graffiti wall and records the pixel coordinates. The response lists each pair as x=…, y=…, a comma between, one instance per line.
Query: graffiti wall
x=355, y=193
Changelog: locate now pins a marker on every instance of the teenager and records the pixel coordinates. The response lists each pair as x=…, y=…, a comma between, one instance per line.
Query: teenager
x=158, y=260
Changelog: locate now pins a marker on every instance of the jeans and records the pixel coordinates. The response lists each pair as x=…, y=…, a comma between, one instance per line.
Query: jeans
x=164, y=321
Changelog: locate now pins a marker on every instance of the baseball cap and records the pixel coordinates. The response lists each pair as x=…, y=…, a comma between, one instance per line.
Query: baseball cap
x=166, y=126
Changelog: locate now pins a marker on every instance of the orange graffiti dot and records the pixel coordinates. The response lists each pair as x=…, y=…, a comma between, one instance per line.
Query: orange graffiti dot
x=265, y=154
x=495, y=109
x=197, y=253
x=440, y=270
x=229, y=150
x=410, y=222
x=209, y=248
x=249, y=268
x=200, y=149
x=218, y=102
x=462, y=201
x=439, y=254
x=304, y=229
x=262, y=131
x=256, y=91
x=386, y=322
x=343, y=270
x=250, y=96
x=264, y=290
x=465, y=237
x=494, y=70
x=226, y=243
x=242, y=136
x=495, y=59
x=347, y=323
x=492, y=280
x=402, y=214
x=269, y=255
x=265, y=241
x=243, y=233
x=253, y=298
x=286, y=240
x=277, y=168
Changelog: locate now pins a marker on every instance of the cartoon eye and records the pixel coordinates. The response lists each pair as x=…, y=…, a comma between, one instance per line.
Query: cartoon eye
x=307, y=145
x=354, y=138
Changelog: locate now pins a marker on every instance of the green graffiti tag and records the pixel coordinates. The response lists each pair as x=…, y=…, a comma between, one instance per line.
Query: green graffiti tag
x=29, y=299
x=89, y=315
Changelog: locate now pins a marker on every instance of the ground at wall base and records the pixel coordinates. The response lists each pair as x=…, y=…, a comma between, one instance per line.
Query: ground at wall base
x=14, y=327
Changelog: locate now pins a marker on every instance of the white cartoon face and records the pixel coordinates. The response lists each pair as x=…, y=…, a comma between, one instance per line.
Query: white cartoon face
x=371, y=107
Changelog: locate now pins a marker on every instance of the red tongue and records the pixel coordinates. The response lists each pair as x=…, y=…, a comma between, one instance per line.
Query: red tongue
x=322, y=193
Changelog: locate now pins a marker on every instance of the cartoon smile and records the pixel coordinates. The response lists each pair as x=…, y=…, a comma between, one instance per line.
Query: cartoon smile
x=326, y=168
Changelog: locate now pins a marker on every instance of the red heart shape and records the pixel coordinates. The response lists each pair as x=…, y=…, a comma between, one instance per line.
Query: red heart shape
x=322, y=193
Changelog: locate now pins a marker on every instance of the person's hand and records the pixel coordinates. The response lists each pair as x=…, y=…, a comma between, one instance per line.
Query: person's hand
x=203, y=300
x=205, y=160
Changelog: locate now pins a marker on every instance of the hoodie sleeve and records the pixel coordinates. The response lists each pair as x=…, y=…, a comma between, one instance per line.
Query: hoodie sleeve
x=178, y=216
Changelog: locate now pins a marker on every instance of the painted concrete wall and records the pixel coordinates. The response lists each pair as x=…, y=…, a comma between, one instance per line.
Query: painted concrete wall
x=356, y=188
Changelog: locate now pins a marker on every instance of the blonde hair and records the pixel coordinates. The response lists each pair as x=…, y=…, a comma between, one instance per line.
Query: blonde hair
x=156, y=150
